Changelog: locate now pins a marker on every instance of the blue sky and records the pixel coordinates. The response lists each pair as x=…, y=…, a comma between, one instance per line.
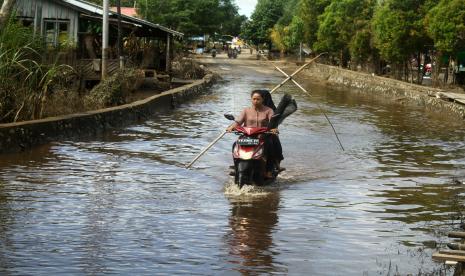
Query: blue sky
x=246, y=7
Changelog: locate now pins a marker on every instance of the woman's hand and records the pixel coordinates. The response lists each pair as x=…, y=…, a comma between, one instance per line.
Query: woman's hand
x=230, y=128
x=275, y=131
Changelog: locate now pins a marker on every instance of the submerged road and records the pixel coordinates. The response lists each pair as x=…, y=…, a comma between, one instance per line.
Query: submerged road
x=123, y=203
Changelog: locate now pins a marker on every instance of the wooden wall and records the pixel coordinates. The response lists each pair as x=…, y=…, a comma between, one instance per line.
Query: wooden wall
x=38, y=10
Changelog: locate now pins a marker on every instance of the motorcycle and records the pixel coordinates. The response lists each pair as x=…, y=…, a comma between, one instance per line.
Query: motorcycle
x=213, y=53
x=249, y=156
x=232, y=53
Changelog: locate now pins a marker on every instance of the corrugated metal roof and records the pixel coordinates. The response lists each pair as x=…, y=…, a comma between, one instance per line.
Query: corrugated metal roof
x=86, y=6
x=96, y=9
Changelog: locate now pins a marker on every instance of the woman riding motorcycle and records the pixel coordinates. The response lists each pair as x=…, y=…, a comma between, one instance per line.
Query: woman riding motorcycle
x=259, y=115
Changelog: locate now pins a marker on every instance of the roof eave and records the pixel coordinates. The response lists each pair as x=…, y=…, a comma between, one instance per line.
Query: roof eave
x=96, y=9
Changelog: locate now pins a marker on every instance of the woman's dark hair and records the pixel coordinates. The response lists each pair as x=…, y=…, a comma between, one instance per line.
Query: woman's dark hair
x=259, y=92
x=266, y=96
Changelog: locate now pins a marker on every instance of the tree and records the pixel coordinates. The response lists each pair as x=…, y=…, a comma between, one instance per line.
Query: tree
x=262, y=20
x=446, y=26
x=290, y=9
x=398, y=30
x=288, y=37
x=308, y=11
x=279, y=36
x=338, y=26
x=194, y=17
x=361, y=46
x=230, y=22
x=296, y=32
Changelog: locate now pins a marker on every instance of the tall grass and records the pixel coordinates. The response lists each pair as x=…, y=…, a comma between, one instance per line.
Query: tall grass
x=25, y=81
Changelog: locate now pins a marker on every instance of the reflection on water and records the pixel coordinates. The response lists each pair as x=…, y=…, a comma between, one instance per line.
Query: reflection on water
x=122, y=203
x=252, y=222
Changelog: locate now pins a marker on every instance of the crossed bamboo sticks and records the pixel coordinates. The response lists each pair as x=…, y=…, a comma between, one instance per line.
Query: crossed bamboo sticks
x=288, y=78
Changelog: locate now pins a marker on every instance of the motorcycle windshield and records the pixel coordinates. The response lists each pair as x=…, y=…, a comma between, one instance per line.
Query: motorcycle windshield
x=251, y=130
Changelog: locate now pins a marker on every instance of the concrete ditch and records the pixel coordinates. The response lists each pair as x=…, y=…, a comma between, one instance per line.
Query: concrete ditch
x=16, y=137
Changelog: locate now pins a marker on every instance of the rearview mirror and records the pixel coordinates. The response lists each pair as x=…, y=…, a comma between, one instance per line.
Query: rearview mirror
x=229, y=117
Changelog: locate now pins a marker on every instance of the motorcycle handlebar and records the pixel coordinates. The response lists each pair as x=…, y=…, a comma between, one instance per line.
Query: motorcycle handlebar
x=240, y=133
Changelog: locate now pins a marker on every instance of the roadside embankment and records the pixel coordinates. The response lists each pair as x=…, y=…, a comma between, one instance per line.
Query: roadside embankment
x=16, y=137
x=368, y=84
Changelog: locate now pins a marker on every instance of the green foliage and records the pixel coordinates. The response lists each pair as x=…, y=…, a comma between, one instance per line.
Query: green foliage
x=262, y=20
x=289, y=11
x=296, y=31
x=229, y=22
x=190, y=17
x=340, y=22
x=308, y=11
x=360, y=47
x=398, y=29
x=90, y=26
x=25, y=83
x=114, y=90
x=279, y=35
x=446, y=25
x=194, y=17
x=288, y=37
x=187, y=68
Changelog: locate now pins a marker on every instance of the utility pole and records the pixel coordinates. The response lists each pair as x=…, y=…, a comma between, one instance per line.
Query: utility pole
x=105, y=36
x=120, y=45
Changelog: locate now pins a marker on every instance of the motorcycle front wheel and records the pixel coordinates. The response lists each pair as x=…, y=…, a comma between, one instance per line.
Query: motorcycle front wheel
x=248, y=172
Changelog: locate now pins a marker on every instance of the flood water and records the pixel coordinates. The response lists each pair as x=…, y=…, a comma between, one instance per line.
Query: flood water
x=123, y=203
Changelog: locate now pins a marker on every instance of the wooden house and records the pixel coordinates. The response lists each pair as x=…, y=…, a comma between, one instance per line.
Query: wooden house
x=76, y=25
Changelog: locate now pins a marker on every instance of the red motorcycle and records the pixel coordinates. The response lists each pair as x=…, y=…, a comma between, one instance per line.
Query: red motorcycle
x=249, y=156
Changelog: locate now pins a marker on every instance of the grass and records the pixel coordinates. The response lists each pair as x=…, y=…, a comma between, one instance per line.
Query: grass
x=26, y=83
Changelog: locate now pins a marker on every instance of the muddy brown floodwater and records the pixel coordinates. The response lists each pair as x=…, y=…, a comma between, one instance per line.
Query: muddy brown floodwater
x=123, y=203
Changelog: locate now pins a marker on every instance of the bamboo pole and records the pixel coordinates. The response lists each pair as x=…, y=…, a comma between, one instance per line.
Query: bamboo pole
x=457, y=234
x=321, y=109
x=295, y=73
x=205, y=149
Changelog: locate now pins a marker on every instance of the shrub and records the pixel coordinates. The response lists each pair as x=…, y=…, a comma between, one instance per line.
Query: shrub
x=25, y=83
x=115, y=90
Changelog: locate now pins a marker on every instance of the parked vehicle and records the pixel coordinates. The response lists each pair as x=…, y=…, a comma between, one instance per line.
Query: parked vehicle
x=427, y=70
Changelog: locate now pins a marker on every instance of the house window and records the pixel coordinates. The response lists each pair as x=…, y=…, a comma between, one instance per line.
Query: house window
x=56, y=32
x=26, y=21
